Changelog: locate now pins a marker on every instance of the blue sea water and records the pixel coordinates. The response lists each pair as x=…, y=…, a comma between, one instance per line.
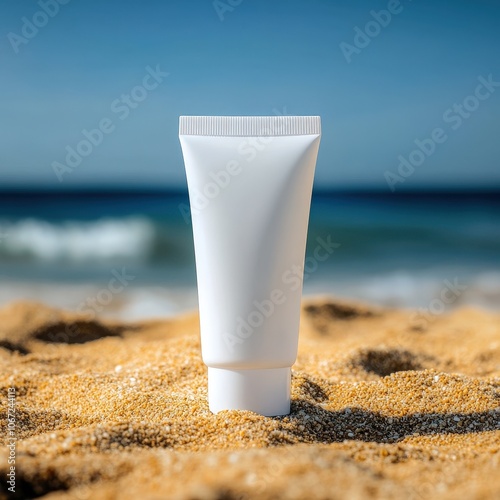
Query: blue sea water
x=391, y=249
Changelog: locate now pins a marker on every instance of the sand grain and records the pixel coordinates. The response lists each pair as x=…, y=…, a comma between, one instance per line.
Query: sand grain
x=380, y=409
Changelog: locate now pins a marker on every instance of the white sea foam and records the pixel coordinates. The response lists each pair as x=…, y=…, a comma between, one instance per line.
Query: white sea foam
x=405, y=289
x=132, y=304
x=138, y=302
x=78, y=240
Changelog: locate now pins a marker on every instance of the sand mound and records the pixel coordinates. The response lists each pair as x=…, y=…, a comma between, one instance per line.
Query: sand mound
x=380, y=409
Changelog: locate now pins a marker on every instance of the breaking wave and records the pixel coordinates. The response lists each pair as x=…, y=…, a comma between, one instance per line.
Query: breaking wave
x=129, y=238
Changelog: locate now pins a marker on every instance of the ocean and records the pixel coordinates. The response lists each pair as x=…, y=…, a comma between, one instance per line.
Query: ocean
x=390, y=249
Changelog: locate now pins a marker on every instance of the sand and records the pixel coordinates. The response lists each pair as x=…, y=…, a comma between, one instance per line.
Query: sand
x=383, y=406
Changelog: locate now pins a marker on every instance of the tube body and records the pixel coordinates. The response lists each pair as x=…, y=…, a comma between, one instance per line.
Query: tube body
x=250, y=182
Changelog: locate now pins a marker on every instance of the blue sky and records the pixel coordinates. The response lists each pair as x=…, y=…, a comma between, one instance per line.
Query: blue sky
x=262, y=58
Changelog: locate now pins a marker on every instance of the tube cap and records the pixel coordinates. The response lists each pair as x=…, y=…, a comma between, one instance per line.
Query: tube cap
x=262, y=391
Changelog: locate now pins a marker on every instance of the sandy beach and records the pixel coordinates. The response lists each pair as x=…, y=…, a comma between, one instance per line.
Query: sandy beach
x=383, y=406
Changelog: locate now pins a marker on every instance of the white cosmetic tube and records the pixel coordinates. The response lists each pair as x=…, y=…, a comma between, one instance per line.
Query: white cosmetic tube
x=250, y=182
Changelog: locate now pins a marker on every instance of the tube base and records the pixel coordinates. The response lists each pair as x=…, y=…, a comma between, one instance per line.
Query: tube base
x=266, y=392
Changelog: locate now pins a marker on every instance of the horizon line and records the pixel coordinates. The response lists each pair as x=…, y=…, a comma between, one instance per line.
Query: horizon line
x=101, y=190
